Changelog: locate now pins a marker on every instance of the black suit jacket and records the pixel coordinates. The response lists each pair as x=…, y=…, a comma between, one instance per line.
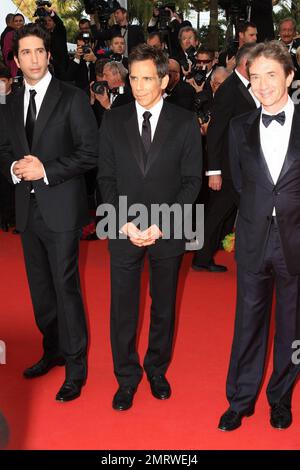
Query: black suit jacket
x=231, y=99
x=259, y=194
x=79, y=75
x=262, y=16
x=65, y=142
x=183, y=95
x=172, y=174
x=135, y=34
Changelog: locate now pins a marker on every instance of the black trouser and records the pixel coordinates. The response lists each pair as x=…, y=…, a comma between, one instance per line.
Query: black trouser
x=221, y=206
x=52, y=269
x=254, y=302
x=125, y=303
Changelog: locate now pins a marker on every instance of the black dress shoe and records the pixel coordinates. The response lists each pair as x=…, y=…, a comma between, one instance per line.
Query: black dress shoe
x=160, y=387
x=210, y=267
x=232, y=420
x=281, y=416
x=42, y=367
x=70, y=390
x=123, y=399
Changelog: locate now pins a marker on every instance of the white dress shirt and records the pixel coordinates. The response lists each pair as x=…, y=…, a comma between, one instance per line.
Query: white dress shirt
x=274, y=140
x=40, y=88
x=155, y=111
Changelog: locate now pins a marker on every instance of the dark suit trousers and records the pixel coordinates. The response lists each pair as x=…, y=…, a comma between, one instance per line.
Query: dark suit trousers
x=51, y=260
x=248, y=354
x=221, y=206
x=125, y=304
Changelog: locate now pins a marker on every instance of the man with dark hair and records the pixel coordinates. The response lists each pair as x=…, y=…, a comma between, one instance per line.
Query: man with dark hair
x=47, y=143
x=84, y=25
x=155, y=39
x=133, y=34
x=117, y=46
x=81, y=69
x=264, y=157
x=158, y=161
x=247, y=34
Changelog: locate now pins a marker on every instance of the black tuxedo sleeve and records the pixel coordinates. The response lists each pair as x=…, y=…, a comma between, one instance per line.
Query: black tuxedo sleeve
x=107, y=176
x=222, y=112
x=6, y=155
x=84, y=129
x=234, y=158
x=191, y=164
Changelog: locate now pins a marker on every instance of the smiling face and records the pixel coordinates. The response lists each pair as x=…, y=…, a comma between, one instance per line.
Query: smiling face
x=32, y=59
x=269, y=83
x=147, y=87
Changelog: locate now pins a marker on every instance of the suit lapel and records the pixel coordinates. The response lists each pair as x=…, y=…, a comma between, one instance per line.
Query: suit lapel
x=246, y=93
x=49, y=103
x=18, y=113
x=134, y=138
x=293, y=151
x=253, y=137
x=160, y=136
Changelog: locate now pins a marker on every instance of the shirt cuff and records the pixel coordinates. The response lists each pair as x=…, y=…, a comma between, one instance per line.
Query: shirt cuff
x=213, y=172
x=15, y=179
x=45, y=177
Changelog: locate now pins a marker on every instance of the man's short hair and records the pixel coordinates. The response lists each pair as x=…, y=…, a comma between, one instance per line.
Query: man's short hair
x=156, y=34
x=144, y=52
x=243, y=52
x=206, y=50
x=285, y=20
x=9, y=17
x=187, y=29
x=244, y=25
x=117, y=68
x=30, y=29
x=83, y=21
x=116, y=35
x=4, y=72
x=274, y=50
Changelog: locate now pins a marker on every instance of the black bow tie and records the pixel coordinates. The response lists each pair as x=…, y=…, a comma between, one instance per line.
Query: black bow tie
x=267, y=118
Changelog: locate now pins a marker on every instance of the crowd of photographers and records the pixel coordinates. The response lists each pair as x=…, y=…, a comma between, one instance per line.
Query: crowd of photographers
x=100, y=67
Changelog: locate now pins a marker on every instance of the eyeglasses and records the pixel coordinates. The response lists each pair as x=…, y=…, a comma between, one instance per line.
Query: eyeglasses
x=200, y=61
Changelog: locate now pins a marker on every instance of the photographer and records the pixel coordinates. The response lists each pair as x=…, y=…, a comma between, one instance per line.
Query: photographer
x=186, y=56
x=81, y=69
x=110, y=90
x=156, y=39
x=167, y=22
x=132, y=34
x=58, y=47
x=117, y=47
x=205, y=62
x=259, y=12
x=247, y=34
x=287, y=33
x=177, y=91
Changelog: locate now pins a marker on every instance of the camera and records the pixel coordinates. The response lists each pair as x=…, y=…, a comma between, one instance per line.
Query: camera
x=200, y=105
x=99, y=88
x=40, y=8
x=18, y=82
x=104, y=8
x=86, y=48
x=236, y=10
x=164, y=16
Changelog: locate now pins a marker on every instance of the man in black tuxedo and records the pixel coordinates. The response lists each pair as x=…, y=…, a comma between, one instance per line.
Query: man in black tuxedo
x=132, y=33
x=233, y=98
x=48, y=143
x=157, y=161
x=264, y=155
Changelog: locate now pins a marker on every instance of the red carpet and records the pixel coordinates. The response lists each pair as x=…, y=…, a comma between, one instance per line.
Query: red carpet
x=197, y=374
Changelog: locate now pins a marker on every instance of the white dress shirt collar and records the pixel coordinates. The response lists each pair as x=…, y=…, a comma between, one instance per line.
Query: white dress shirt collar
x=155, y=113
x=41, y=86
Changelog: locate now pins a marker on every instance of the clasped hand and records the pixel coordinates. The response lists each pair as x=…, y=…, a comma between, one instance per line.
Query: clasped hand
x=29, y=168
x=142, y=238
